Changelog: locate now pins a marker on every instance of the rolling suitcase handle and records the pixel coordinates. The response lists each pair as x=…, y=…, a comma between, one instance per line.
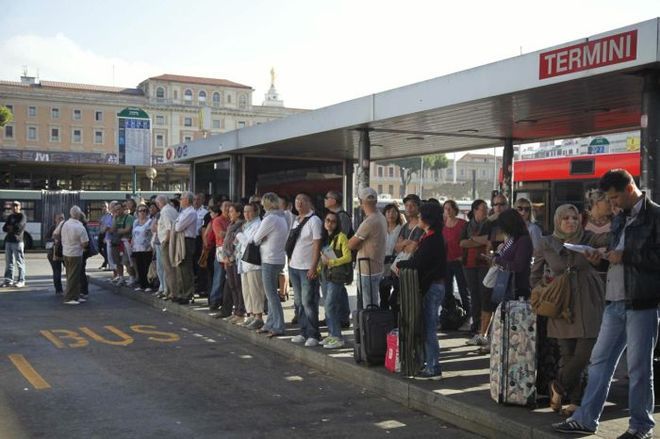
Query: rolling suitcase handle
x=360, y=296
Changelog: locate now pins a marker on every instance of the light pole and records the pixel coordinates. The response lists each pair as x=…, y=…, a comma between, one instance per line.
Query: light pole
x=151, y=173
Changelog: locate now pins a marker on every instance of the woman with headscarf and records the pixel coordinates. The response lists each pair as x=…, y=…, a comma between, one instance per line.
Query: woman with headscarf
x=576, y=336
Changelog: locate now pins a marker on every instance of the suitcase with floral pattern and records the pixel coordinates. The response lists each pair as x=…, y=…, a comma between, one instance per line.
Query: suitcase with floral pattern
x=513, y=354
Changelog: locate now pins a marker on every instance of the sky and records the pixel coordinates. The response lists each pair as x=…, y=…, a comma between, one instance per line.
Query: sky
x=323, y=52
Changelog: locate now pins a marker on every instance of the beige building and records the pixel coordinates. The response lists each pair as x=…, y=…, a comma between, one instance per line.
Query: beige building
x=66, y=136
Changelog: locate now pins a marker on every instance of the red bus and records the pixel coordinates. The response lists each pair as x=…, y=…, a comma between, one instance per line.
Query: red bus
x=551, y=182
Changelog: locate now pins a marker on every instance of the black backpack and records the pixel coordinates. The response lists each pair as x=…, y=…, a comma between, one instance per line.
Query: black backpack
x=452, y=315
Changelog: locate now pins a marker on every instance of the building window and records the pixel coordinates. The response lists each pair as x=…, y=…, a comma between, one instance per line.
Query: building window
x=201, y=97
x=160, y=120
x=76, y=135
x=10, y=108
x=390, y=171
x=187, y=121
x=77, y=114
x=228, y=98
x=9, y=131
x=187, y=95
x=216, y=99
x=32, y=133
x=175, y=93
x=54, y=134
x=160, y=93
x=242, y=102
x=187, y=139
x=160, y=141
x=98, y=137
x=55, y=113
x=461, y=173
x=216, y=124
x=241, y=124
x=380, y=188
x=380, y=171
x=390, y=189
x=483, y=172
x=32, y=111
x=98, y=116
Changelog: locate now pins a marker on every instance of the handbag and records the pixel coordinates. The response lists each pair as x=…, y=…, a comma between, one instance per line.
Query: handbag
x=252, y=254
x=58, y=254
x=491, y=276
x=403, y=256
x=340, y=274
x=203, y=258
x=552, y=299
x=503, y=284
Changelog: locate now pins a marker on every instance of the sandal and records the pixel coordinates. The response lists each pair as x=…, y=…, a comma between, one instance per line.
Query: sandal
x=569, y=410
x=556, y=396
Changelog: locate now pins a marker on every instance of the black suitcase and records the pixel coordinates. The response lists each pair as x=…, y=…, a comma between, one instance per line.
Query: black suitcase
x=370, y=326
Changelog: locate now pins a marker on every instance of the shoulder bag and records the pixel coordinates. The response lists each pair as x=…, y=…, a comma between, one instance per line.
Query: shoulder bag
x=552, y=299
x=294, y=234
x=341, y=274
x=252, y=254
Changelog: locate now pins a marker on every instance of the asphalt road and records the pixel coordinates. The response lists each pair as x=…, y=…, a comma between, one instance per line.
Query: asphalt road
x=113, y=368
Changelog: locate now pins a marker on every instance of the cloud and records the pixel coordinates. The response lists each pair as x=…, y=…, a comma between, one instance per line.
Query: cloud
x=58, y=58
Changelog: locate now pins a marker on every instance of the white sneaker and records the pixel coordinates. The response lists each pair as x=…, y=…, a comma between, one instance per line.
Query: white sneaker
x=311, y=342
x=148, y=290
x=326, y=340
x=82, y=299
x=19, y=284
x=72, y=302
x=477, y=340
x=137, y=289
x=298, y=339
x=335, y=343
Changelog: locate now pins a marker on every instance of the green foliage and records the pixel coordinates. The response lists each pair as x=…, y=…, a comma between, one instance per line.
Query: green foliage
x=5, y=116
x=410, y=165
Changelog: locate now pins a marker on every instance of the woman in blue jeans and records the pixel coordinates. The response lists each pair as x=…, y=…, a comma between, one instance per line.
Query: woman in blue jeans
x=430, y=260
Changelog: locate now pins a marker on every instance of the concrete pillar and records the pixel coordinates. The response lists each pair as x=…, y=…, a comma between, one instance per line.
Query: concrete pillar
x=348, y=185
x=506, y=187
x=364, y=159
x=236, y=177
x=650, y=136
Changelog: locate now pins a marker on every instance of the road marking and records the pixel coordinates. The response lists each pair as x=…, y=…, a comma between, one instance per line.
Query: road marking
x=390, y=424
x=25, y=368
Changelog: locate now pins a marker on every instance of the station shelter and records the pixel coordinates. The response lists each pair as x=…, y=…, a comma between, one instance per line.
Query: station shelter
x=604, y=83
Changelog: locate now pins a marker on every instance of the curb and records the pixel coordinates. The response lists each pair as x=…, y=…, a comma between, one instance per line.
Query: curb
x=475, y=419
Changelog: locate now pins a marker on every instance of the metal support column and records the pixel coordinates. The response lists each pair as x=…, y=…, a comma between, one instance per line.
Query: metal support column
x=348, y=185
x=650, y=136
x=364, y=158
x=235, y=177
x=507, y=170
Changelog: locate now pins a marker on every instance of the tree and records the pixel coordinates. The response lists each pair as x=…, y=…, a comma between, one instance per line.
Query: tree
x=409, y=165
x=5, y=116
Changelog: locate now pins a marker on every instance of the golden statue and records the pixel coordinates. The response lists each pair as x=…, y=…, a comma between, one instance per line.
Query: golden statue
x=272, y=76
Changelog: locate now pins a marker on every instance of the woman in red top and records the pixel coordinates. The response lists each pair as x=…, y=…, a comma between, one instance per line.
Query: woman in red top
x=452, y=232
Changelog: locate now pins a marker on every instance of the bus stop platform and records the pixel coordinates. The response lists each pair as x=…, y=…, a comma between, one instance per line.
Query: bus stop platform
x=461, y=398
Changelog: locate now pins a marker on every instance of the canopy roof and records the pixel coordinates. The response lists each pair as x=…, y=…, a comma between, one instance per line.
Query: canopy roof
x=584, y=87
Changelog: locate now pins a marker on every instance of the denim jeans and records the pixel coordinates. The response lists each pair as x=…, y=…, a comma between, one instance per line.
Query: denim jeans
x=369, y=285
x=455, y=270
x=432, y=301
x=306, y=297
x=215, y=297
x=56, y=266
x=14, y=251
x=159, y=269
x=333, y=307
x=621, y=327
x=270, y=274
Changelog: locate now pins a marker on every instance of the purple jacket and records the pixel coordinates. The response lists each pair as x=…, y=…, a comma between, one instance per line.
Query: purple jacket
x=518, y=259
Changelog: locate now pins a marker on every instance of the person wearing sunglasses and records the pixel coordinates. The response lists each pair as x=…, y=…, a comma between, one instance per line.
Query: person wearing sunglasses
x=524, y=208
x=141, y=246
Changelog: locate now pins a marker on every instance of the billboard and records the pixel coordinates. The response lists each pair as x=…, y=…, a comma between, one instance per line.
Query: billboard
x=134, y=139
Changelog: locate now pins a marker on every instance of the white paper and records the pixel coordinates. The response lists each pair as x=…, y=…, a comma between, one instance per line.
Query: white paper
x=579, y=248
x=328, y=252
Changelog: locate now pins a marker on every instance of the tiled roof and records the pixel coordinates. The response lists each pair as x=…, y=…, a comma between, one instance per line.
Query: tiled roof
x=198, y=80
x=88, y=87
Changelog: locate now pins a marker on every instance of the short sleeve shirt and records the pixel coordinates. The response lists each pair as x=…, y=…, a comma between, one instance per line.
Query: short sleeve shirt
x=303, y=256
x=414, y=234
x=373, y=233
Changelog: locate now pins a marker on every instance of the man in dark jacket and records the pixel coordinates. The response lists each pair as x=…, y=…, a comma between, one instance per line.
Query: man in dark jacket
x=631, y=315
x=14, y=246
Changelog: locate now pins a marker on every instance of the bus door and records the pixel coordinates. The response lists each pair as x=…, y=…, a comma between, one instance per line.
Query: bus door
x=538, y=193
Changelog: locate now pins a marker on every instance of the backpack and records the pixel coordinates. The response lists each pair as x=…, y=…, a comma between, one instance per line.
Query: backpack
x=92, y=246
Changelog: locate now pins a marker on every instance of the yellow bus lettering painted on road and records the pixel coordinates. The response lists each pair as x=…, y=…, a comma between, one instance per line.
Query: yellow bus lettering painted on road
x=126, y=339
x=63, y=334
x=164, y=337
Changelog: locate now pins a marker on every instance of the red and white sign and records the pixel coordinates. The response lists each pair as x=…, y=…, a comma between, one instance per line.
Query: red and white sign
x=613, y=49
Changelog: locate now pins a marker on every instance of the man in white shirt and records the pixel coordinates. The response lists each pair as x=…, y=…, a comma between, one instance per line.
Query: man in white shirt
x=305, y=243
x=168, y=216
x=201, y=273
x=186, y=223
x=74, y=241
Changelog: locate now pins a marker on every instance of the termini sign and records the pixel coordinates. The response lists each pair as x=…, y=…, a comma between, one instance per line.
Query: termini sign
x=613, y=49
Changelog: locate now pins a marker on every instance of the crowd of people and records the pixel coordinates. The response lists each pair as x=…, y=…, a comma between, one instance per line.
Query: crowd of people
x=243, y=256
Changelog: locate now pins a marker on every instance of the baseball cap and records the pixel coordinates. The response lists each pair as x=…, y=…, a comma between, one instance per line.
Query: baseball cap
x=367, y=193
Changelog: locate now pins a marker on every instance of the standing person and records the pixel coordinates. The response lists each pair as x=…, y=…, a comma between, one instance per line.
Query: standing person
x=104, y=223
x=251, y=277
x=271, y=237
x=333, y=203
x=369, y=241
x=411, y=232
x=577, y=336
x=389, y=285
x=336, y=270
x=452, y=232
x=14, y=246
x=122, y=227
x=219, y=224
x=55, y=262
x=105, y=231
x=154, y=216
x=631, y=316
x=233, y=299
x=474, y=242
x=283, y=278
x=430, y=260
x=186, y=223
x=598, y=212
x=524, y=208
x=201, y=276
x=168, y=216
x=74, y=241
x=141, y=246
x=304, y=245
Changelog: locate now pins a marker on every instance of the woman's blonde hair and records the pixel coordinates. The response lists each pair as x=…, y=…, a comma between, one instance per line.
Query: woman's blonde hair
x=270, y=201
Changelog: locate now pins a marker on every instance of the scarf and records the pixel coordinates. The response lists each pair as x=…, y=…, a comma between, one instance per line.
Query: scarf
x=560, y=213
